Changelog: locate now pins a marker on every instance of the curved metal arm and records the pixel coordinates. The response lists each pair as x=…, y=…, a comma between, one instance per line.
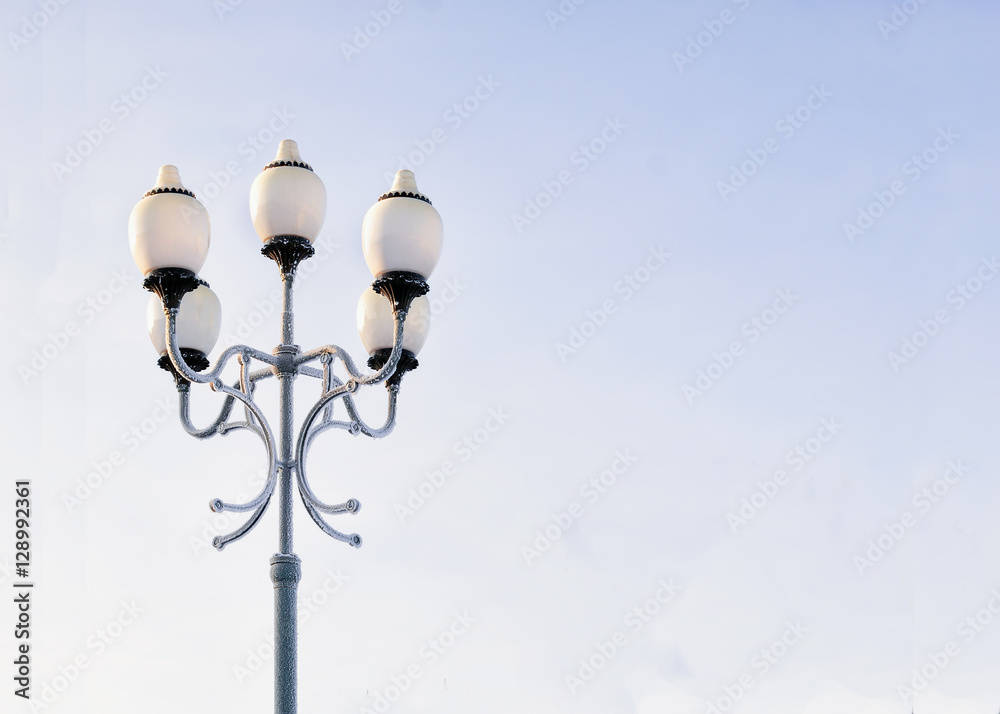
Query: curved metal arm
x=184, y=409
x=237, y=425
x=218, y=505
x=310, y=501
x=357, y=425
x=210, y=377
x=220, y=425
x=256, y=422
x=309, y=371
x=390, y=419
x=351, y=539
x=303, y=441
x=380, y=375
x=334, y=388
x=261, y=374
x=220, y=542
x=348, y=426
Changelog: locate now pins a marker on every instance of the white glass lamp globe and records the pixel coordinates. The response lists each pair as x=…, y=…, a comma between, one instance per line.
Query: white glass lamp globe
x=199, y=321
x=403, y=231
x=169, y=228
x=376, y=325
x=287, y=198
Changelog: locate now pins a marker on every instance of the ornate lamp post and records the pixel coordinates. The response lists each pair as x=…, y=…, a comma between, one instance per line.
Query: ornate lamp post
x=401, y=236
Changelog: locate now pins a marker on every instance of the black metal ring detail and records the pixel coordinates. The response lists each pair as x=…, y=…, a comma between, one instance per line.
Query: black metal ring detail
x=406, y=194
x=168, y=189
x=401, y=287
x=407, y=363
x=288, y=252
x=171, y=284
x=195, y=359
x=299, y=164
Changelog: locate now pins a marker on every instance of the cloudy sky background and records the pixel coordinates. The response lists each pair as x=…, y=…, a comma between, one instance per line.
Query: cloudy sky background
x=665, y=119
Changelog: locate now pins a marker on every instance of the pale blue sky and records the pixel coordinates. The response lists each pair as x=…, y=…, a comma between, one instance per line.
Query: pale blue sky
x=199, y=83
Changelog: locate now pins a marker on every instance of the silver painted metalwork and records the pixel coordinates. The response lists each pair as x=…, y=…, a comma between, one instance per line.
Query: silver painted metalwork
x=286, y=452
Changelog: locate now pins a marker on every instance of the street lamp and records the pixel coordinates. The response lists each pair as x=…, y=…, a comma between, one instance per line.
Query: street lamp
x=169, y=233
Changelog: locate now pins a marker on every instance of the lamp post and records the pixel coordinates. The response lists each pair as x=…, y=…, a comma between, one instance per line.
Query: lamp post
x=169, y=234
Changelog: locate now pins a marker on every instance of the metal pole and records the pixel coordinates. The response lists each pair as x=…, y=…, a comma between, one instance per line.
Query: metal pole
x=287, y=324
x=285, y=574
x=285, y=565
